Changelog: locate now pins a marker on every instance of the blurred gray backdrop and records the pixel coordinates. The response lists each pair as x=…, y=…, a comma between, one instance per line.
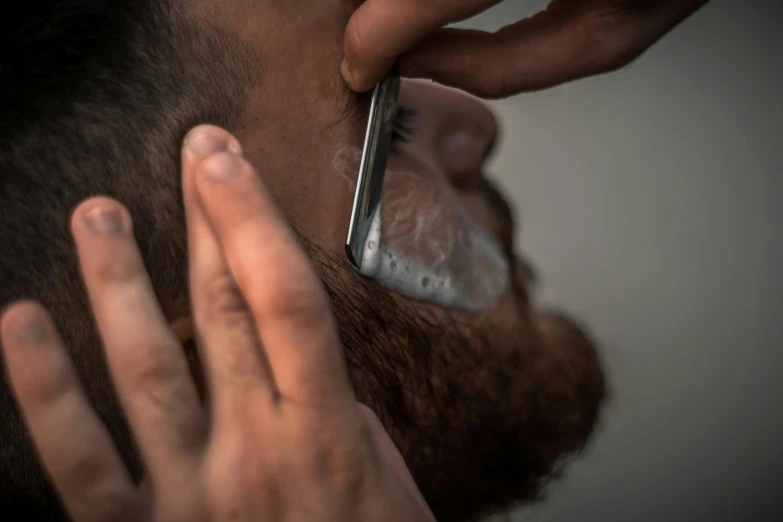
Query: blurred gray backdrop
x=650, y=201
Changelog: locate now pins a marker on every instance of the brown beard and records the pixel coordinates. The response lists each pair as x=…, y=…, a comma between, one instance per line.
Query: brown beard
x=483, y=409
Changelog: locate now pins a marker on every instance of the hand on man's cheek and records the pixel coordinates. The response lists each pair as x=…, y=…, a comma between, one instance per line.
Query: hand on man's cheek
x=283, y=431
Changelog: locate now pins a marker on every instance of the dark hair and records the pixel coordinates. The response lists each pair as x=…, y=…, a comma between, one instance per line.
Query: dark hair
x=95, y=98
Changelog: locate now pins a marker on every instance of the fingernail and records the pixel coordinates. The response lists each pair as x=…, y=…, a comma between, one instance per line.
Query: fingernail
x=203, y=143
x=222, y=166
x=105, y=220
x=32, y=331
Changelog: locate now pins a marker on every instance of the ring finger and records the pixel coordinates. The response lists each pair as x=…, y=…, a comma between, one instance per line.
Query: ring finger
x=147, y=364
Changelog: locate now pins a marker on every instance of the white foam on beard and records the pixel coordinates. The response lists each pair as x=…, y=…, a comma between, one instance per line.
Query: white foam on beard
x=411, y=253
x=444, y=283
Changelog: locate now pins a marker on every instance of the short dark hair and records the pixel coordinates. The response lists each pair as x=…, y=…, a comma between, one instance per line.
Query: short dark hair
x=95, y=98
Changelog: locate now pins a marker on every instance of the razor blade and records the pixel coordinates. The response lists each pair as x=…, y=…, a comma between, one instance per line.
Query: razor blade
x=369, y=185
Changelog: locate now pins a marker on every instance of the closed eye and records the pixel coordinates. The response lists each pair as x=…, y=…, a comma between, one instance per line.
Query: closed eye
x=404, y=127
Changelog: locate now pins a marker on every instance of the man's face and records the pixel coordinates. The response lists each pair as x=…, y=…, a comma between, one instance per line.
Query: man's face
x=303, y=129
x=481, y=394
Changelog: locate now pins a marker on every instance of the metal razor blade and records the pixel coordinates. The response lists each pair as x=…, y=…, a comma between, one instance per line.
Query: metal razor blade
x=369, y=185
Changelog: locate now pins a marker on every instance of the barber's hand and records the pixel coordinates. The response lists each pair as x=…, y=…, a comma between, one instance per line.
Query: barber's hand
x=570, y=39
x=282, y=437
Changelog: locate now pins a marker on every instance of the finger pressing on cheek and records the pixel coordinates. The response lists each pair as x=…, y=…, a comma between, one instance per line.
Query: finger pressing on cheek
x=280, y=286
x=200, y=143
x=228, y=341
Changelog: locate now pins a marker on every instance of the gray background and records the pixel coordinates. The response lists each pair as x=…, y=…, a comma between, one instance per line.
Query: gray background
x=649, y=203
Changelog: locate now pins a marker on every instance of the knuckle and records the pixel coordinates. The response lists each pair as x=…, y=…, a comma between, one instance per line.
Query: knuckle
x=86, y=467
x=149, y=364
x=238, y=471
x=489, y=67
x=155, y=382
x=494, y=83
x=227, y=311
x=223, y=299
x=339, y=451
x=362, y=59
x=341, y=465
x=356, y=41
x=240, y=361
x=289, y=298
x=110, y=501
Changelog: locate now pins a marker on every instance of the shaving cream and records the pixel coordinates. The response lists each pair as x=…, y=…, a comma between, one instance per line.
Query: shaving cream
x=423, y=245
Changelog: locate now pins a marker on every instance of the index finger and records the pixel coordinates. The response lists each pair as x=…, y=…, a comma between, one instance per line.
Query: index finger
x=381, y=30
x=288, y=303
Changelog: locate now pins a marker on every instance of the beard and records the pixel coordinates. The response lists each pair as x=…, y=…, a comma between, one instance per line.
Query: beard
x=484, y=408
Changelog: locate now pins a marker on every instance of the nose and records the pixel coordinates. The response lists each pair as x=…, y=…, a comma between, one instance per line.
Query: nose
x=469, y=132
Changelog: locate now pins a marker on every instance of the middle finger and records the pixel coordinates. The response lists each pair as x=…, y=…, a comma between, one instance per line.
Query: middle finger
x=228, y=342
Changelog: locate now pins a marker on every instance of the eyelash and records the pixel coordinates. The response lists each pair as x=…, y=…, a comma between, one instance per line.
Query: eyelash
x=404, y=127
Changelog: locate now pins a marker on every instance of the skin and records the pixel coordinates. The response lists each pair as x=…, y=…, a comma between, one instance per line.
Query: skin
x=480, y=405
x=283, y=433
x=569, y=39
